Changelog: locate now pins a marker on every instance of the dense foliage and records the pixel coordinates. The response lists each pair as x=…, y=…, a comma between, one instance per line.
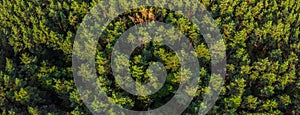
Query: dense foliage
x=262, y=46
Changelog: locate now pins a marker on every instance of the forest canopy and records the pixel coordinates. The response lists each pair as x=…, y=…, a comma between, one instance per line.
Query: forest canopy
x=262, y=55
